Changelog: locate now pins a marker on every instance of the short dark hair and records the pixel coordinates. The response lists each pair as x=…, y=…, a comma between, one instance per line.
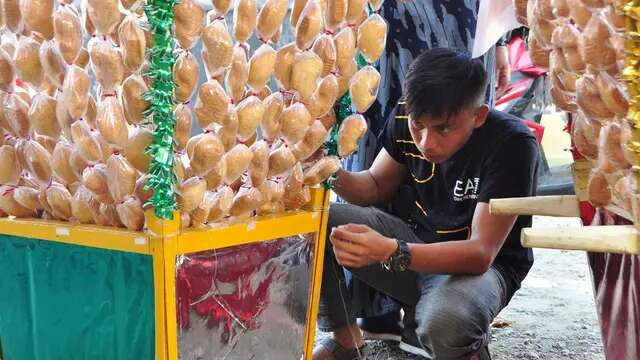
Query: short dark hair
x=443, y=82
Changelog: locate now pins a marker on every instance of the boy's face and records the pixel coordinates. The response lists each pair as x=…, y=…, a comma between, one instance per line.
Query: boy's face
x=438, y=139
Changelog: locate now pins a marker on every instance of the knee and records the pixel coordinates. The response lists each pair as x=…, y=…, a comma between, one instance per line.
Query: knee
x=338, y=215
x=448, y=330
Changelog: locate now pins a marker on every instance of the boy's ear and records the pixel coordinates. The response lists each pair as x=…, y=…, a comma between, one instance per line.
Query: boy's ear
x=481, y=116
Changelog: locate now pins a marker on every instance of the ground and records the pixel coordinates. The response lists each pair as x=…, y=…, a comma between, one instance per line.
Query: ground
x=552, y=317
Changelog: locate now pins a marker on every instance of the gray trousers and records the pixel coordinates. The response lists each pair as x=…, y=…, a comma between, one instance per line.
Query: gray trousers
x=452, y=312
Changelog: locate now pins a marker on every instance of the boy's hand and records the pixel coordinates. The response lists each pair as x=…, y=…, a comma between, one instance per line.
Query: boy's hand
x=503, y=70
x=359, y=245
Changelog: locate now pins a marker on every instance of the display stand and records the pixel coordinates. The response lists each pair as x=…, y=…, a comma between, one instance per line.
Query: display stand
x=77, y=291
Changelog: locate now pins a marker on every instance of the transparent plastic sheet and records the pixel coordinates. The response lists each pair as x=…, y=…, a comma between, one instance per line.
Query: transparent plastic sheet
x=60, y=301
x=616, y=278
x=245, y=302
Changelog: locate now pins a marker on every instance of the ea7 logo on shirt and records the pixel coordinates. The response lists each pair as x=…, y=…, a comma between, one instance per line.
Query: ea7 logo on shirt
x=466, y=189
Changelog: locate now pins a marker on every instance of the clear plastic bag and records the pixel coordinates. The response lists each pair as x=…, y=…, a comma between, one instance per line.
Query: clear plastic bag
x=325, y=96
x=38, y=160
x=104, y=15
x=16, y=113
x=94, y=178
x=76, y=89
x=595, y=44
x=132, y=42
x=250, y=112
x=372, y=37
x=236, y=162
x=131, y=213
x=38, y=16
x=585, y=136
x=285, y=56
x=321, y=170
x=261, y=67
x=59, y=200
x=200, y=216
x=52, y=62
x=86, y=142
x=121, y=177
x=259, y=167
x=228, y=132
x=271, y=120
x=10, y=168
x=189, y=193
x=42, y=115
x=612, y=93
x=184, y=125
x=135, y=151
x=364, y=88
x=7, y=71
x=309, y=24
x=311, y=142
x=296, y=200
x=207, y=152
x=245, y=19
x=281, y=160
x=305, y=71
x=185, y=74
x=222, y=202
x=133, y=101
x=189, y=21
x=217, y=51
x=212, y=104
x=10, y=206
x=60, y=163
x=84, y=206
x=67, y=30
x=270, y=18
x=598, y=189
x=28, y=197
x=112, y=123
x=27, y=61
x=106, y=63
x=12, y=15
x=295, y=120
x=246, y=201
x=589, y=100
x=351, y=131
x=611, y=158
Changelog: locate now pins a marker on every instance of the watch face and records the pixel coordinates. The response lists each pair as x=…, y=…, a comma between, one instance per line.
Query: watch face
x=402, y=258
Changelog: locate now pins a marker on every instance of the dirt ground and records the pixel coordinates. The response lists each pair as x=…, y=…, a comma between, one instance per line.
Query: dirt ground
x=552, y=317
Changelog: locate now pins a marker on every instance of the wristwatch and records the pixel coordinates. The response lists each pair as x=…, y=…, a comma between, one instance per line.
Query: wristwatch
x=400, y=260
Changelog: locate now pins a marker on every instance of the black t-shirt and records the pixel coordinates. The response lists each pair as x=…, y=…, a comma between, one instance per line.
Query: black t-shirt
x=498, y=161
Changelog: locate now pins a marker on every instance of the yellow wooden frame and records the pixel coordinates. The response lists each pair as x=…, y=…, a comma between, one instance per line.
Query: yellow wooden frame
x=165, y=240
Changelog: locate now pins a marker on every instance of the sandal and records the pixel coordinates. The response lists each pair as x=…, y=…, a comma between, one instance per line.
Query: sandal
x=329, y=349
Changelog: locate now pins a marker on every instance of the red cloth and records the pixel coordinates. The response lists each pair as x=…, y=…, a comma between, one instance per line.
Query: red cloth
x=520, y=60
x=218, y=285
x=537, y=129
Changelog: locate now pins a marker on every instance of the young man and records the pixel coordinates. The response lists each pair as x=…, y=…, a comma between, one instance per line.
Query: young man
x=445, y=155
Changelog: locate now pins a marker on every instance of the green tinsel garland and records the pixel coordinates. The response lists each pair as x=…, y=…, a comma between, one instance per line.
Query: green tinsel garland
x=160, y=96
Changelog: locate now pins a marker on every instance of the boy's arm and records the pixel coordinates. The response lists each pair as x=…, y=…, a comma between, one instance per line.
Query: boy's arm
x=373, y=186
x=358, y=245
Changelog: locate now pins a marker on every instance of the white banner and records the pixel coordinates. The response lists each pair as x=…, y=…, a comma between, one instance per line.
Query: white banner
x=495, y=18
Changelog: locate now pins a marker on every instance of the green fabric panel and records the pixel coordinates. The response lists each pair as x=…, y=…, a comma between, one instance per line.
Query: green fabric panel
x=60, y=301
